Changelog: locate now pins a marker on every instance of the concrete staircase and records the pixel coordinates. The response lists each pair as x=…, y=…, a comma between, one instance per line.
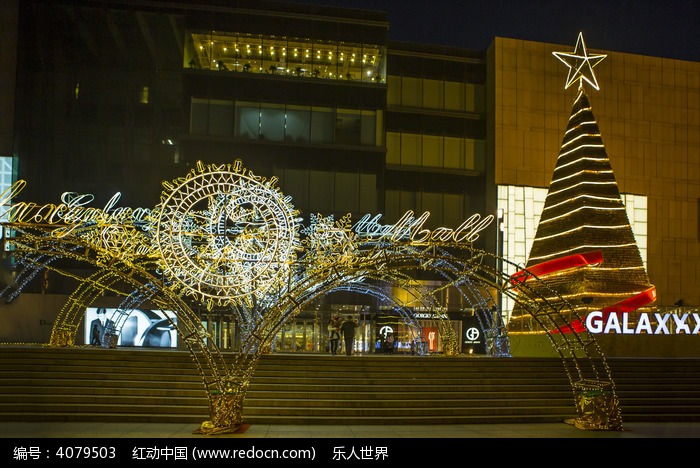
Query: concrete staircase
x=127, y=385
x=657, y=389
x=407, y=390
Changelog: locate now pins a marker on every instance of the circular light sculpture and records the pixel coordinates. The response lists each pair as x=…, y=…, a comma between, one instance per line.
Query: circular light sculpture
x=225, y=235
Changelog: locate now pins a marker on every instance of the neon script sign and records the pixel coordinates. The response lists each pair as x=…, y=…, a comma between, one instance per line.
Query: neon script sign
x=73, y=211
x=408, y=227
x=70, y=213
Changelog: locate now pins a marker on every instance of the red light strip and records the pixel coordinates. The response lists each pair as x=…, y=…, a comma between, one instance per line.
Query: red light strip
x=632, y=303
x=627, y=305
x=551, y=266
x=578, y=260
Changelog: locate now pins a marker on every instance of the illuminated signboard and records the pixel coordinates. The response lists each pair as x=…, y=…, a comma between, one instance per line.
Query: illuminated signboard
x=430, y=316
x=473, y=334
x=663, y=324
x=431, y=336
x=137, y=327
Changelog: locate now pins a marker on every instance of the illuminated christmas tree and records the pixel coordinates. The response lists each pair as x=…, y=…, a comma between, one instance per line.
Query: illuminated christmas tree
x=584, y=248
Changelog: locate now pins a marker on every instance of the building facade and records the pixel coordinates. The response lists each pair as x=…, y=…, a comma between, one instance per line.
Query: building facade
x=118, y=96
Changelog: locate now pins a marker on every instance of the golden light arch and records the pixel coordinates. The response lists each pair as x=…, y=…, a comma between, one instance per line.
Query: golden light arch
x=220, y=225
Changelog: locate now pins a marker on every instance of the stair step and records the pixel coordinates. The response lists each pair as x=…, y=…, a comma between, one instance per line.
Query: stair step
x=141, y=385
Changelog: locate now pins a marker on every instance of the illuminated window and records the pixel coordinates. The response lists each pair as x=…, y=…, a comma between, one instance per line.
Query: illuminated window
x=322, y=125
x=307, y=58
x=411, y=149
x=435, y=94
x=454, y=153
x=144, y=95
x=411, y=92
x=393, y=148
x=636, y=206
x=371, y=128
x=433, y=150
x=247, y=120
x=302, y=124
x=393, y=91
x=347, y=127
x=298, y=125
x=5, y=173
x=272, y=119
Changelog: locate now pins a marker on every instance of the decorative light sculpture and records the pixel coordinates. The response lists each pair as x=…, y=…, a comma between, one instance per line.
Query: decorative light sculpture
x=226, y=238
x=226, y=235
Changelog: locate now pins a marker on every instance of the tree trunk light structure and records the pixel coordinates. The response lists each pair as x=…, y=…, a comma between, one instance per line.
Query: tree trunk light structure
x=225, y=238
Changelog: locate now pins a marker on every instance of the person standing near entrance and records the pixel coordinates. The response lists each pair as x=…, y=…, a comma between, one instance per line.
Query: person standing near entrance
x=334, y=334
x=389, y=344
x=348, y=329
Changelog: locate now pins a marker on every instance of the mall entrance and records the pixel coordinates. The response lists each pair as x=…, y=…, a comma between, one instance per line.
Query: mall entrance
x=308, y=332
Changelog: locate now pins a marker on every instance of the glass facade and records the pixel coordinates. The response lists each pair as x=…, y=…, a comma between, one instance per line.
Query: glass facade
x=446, y=209
x=298, y=336
x=285, y=123
x=407, y=91
x=435, y=151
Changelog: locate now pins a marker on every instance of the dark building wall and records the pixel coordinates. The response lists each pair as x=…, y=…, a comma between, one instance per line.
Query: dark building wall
x=96, y=101
x=293, y=21
x=266, y=88
x=106, y=100
x=8, y=60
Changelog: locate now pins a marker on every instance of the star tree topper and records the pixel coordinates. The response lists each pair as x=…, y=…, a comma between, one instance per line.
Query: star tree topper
x=580, y=64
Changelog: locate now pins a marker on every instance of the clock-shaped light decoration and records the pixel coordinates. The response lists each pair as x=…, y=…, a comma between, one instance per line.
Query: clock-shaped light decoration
x=224, y=234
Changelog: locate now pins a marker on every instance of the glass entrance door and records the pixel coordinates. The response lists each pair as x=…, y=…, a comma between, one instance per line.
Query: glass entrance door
x=222, y=330
x=298, y=336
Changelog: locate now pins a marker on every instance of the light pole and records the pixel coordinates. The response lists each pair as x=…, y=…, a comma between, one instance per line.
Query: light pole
x=500, y=213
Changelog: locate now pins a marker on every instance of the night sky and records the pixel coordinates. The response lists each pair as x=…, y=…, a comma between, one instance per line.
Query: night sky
x=660, y=28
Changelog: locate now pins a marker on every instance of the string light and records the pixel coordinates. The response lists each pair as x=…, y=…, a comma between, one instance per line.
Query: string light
x=585, y=207
x=580, y=197
x=582, y=247
x=580, y=160
x=579, y=173
x=579, y=228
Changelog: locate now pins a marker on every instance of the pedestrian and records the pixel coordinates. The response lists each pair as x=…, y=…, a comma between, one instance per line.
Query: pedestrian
x=334, y=334
x=348, y=328
x=389, y=344
x=95, y=333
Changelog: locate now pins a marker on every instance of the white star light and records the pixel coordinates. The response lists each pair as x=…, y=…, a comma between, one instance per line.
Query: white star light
x=580, y=64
